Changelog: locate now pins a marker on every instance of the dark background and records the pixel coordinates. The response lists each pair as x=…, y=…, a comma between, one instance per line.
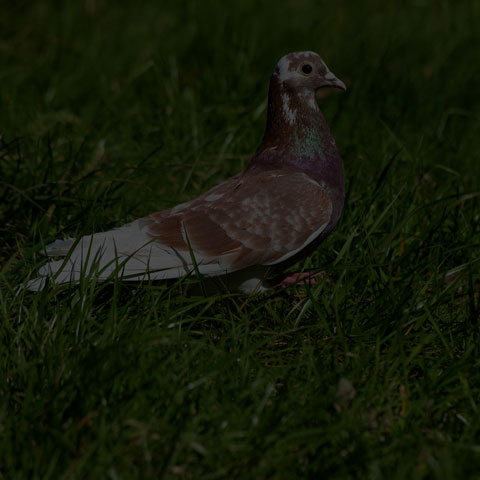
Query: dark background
x=112, y=110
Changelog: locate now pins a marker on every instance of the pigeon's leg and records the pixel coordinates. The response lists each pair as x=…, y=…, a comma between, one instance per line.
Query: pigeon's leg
x=297, y=278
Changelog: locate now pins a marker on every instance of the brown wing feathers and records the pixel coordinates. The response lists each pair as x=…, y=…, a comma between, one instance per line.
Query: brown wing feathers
x=246, y=223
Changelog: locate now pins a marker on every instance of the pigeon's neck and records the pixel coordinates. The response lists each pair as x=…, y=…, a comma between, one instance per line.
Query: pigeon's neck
x=297, y=137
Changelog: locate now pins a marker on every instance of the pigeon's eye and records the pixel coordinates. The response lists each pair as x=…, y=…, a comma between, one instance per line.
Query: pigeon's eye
x=307, y=69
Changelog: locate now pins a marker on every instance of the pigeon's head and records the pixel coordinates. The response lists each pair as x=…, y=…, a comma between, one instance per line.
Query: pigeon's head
x=305, y=72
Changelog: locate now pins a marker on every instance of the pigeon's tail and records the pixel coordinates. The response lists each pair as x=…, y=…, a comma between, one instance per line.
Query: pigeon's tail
x=54, y=271
x=126, y=252
x=34, y=285
x=59, y=248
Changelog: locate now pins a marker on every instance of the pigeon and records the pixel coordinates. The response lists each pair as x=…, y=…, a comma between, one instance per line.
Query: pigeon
x=246, y=229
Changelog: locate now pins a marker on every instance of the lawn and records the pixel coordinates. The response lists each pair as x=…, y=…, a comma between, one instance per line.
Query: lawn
x=110, y=111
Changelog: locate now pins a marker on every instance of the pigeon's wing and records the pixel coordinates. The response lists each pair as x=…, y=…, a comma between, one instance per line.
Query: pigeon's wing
x=260, y=219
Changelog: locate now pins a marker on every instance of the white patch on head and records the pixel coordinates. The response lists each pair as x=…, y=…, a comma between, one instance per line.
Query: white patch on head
x=284, y=64
x=283, y=69
x=309, y=53
x=289, y=114
x=213, y=196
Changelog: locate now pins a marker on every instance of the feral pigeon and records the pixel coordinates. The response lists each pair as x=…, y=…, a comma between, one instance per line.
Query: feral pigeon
x=245, y=229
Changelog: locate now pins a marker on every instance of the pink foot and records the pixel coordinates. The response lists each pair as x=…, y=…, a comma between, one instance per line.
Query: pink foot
x=298, y=278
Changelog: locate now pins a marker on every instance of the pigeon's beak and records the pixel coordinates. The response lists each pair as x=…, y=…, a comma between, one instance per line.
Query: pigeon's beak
x=330, y=83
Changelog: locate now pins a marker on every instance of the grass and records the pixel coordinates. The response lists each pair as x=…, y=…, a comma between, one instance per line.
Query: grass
x=110, y=112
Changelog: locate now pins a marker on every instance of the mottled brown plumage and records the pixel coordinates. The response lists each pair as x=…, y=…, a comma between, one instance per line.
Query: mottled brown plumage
x=246, y=220
x=282, y=206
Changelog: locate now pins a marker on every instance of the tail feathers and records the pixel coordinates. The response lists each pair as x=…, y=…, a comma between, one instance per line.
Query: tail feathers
x=59, y=248
x=56, y=272
x=62, y=272
x=127, y=253
x=34, y=285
